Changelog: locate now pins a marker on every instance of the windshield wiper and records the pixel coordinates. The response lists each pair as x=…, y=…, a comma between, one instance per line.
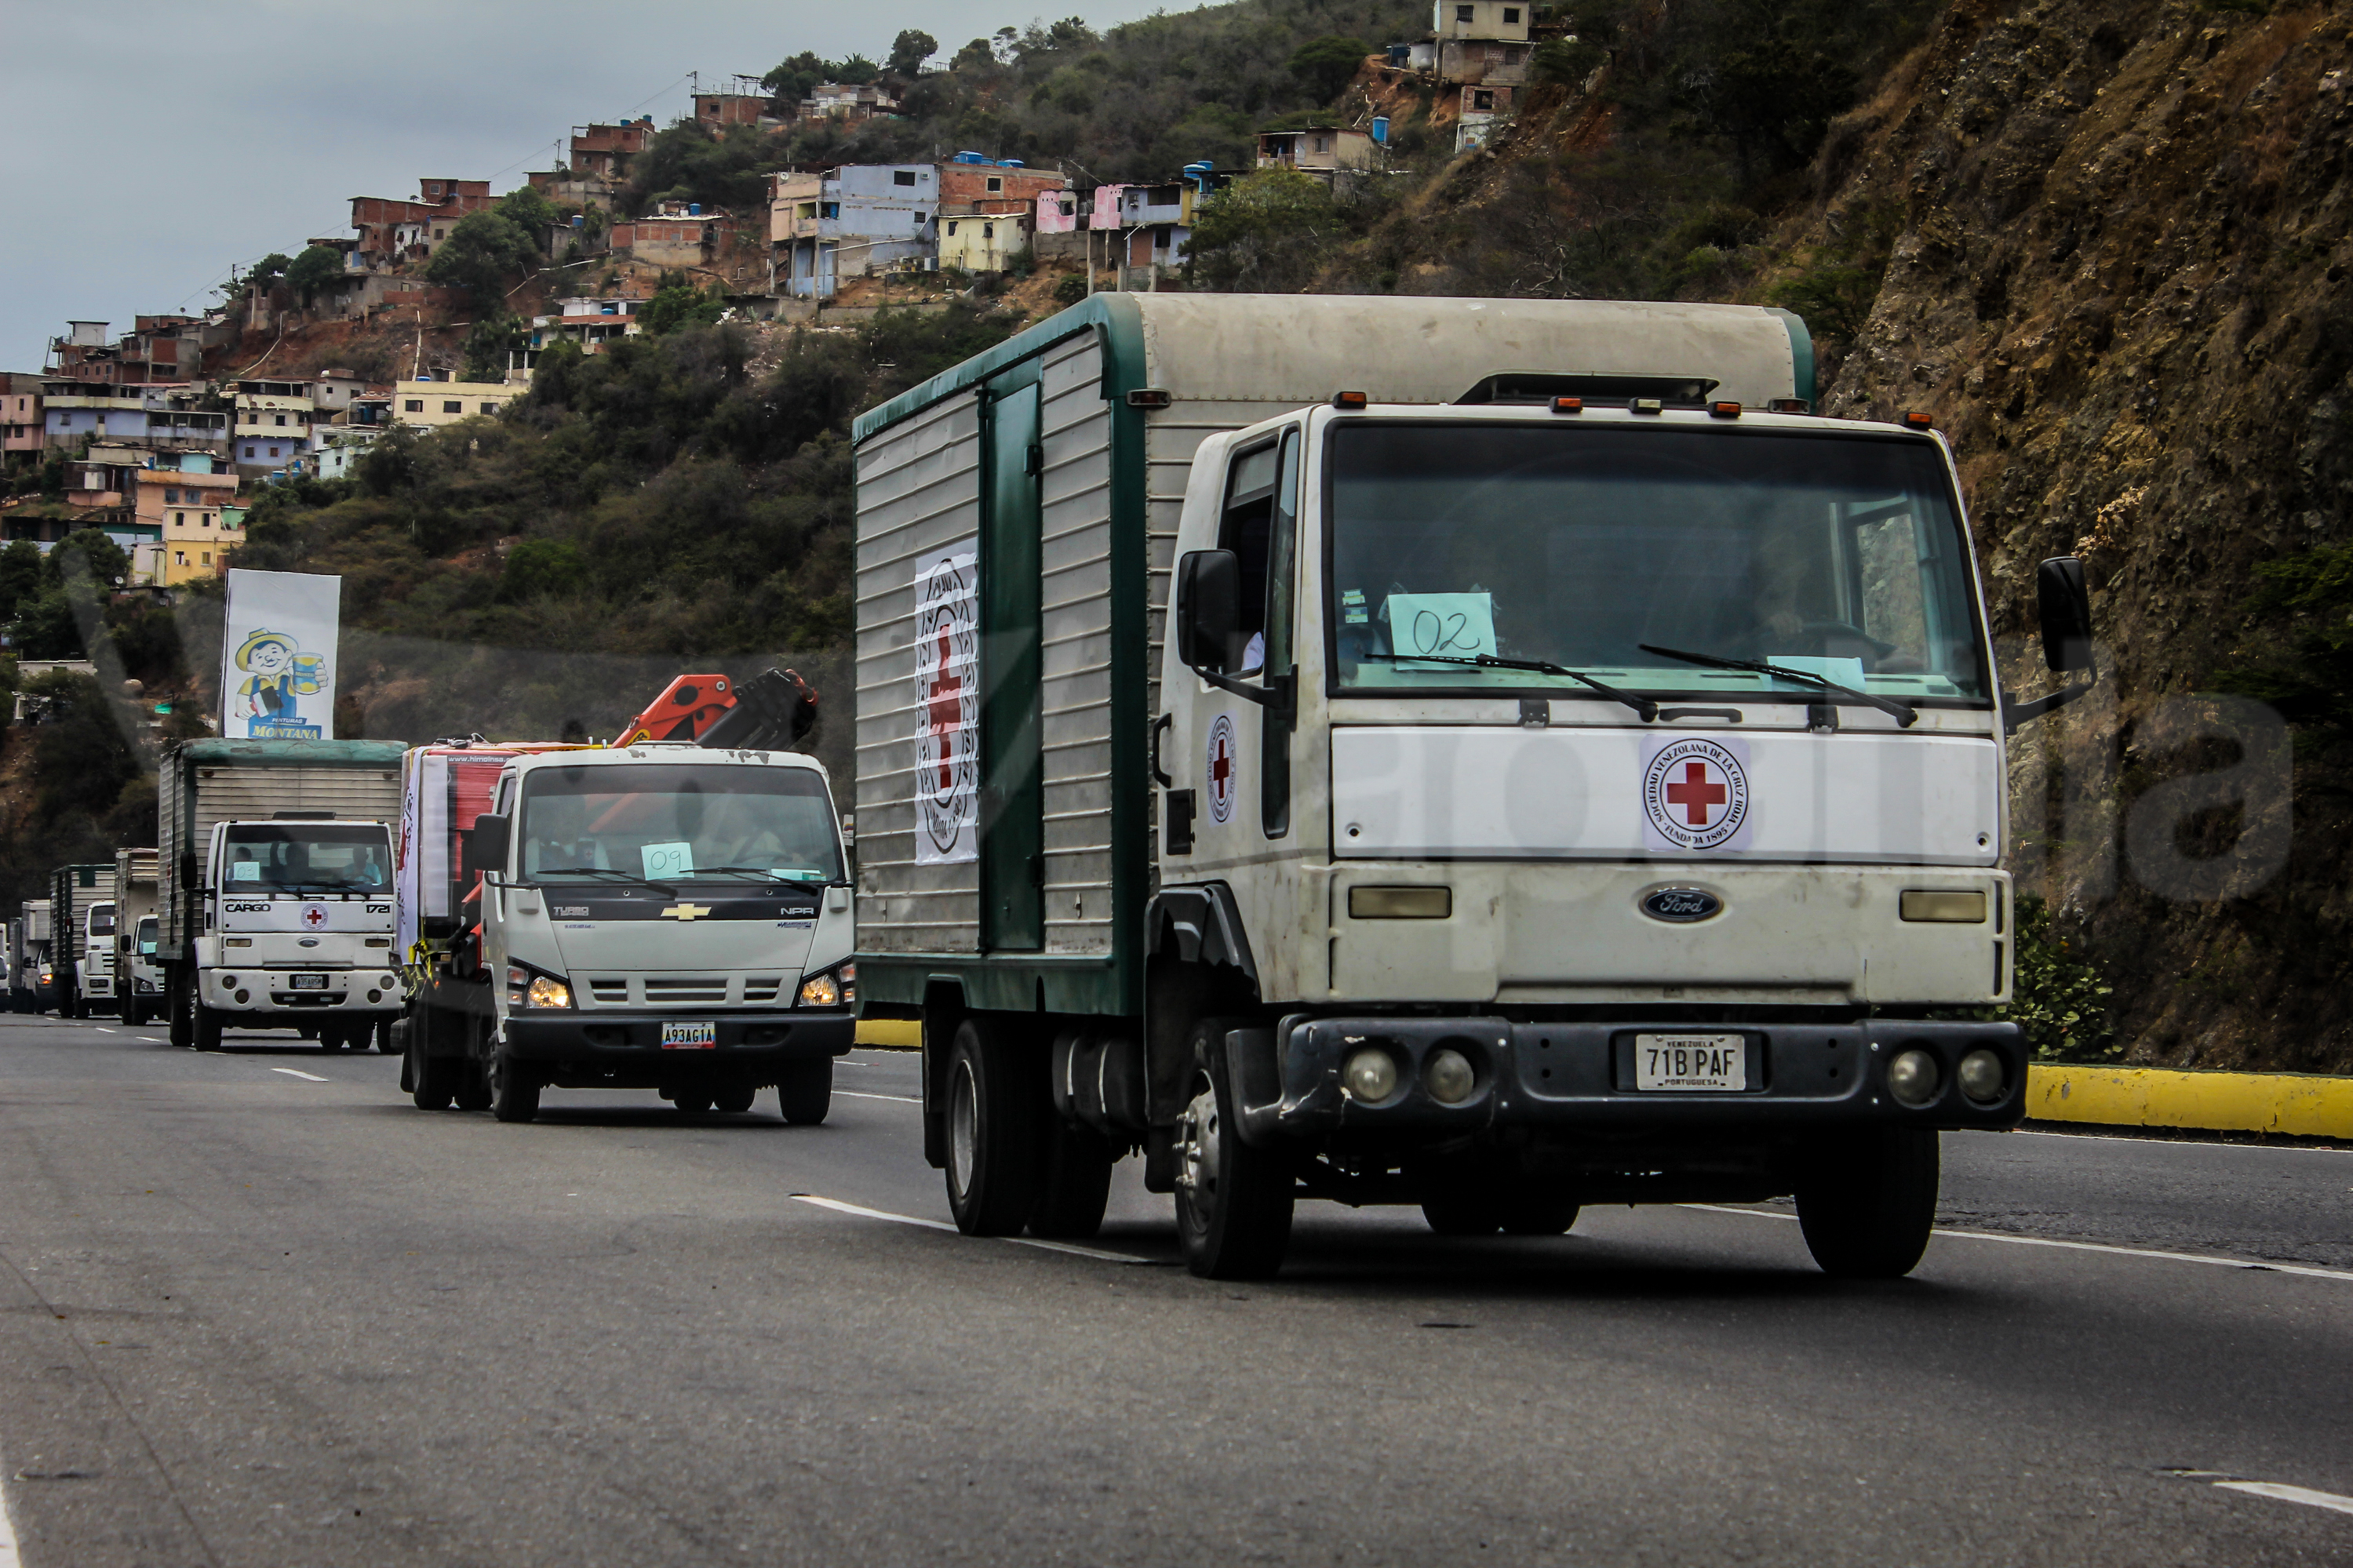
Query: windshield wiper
x=1641, y=705
x=785, y=877
x=662, y=888
x=1905, y=714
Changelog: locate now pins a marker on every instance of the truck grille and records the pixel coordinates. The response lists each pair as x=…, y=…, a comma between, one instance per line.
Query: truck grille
x=686, y=990
x=609, y=989
x=762, y=987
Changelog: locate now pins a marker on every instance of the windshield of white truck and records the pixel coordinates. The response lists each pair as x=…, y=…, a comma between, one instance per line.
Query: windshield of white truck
x=146, y=937
x=670, y=823
x=306, y=857
x=101, y=919
x=1595, y=547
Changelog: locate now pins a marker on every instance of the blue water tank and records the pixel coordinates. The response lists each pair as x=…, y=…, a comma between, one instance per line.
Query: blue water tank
x=1009, y=164
x=1381, y=129
x=694, y=209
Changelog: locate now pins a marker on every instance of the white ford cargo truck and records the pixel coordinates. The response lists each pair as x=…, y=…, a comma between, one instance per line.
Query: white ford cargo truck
x=1494, y=755
x=275, y=906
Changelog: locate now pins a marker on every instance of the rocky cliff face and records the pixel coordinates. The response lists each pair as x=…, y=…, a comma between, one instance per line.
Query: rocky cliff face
x=2115, y=242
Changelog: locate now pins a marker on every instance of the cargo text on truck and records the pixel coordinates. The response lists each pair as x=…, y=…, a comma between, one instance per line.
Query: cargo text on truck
x=1497, y=755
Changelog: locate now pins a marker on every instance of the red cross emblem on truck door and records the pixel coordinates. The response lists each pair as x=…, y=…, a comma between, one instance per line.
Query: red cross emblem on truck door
x=1221, y=767
x=947, y=712
x=1695, y=794
x=313, y=916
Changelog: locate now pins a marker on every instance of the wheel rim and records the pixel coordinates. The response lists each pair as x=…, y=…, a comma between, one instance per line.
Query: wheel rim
x=964, y=1128
x=1196, y=1165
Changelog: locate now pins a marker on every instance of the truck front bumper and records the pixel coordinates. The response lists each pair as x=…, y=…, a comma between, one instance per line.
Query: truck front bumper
x=622, y=1045
x=344, y=992
x=1581, y=1077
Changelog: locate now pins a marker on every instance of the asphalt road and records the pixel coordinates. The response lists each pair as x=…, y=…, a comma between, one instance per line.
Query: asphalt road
x=249, y=1317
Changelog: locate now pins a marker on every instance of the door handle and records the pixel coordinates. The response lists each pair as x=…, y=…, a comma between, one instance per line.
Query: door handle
x=1159, y=775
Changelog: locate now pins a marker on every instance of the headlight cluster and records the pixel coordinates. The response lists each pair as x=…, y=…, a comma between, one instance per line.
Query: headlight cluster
x=1915, y=1077
x=1371, y=1076
x=835, y=988
x=528, y=989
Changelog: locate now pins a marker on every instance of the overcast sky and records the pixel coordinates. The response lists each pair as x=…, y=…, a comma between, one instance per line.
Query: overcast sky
x=153, y=146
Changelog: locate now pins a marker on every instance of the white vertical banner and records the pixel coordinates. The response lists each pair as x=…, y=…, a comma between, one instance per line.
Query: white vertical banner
x=947, y=707
x=278, y=655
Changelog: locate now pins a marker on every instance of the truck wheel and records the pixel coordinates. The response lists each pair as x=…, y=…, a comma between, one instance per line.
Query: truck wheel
x=690, y=1101
x=384, y=1046
x=308, y=1031
x=473, y=1083
x=331, y=1036
x=514, y=1088
x=433, y=1081
x=133, y=1015
x=1075, y=1184
x=208, y=1028
x=1461, y=1213
x=180, y=1004
x=1233, y=1202
x=1867, y=1202
x=805, y=1092
x=993, y=1114
x=735, y=1098
x=1538, y=1214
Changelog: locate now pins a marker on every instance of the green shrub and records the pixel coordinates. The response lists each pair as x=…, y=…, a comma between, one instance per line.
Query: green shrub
x=2059, y=994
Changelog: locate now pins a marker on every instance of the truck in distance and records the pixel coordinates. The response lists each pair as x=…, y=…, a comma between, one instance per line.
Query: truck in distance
x=82, y=906
x=32, y=977
x=138, y=982
x=669, y=915
x=275, y=888
x=1492, y=755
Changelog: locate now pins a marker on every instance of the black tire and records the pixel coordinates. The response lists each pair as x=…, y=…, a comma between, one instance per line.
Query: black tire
x=331, y=1037
x=805, y=1092
x=180, y=1004
x=133, y=1015
x=473, y=1084
x=693, y=1102
x=308, y=1031
x=1461, y=1213
x=735, y=1098
x=1073, y=1184
x=994, y=1096
x=436, y=1080
x=1233, y=1201
x=1538, y=1214
x=1868, y=1201
x=207, y=1036
x=514, y=1088
x=384, y=1046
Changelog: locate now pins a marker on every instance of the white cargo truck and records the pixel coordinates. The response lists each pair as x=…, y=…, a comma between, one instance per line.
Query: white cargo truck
x=664, y=916
x=33, y=984
x=138, y=982
x=275, y=888
x=1499, y=755
x=82, y=906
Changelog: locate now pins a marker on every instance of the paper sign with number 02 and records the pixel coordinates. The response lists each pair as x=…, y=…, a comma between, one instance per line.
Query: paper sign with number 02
x=1447, y=625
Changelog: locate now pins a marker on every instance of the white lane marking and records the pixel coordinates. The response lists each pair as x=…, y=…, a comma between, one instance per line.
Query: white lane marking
x=2304, y=1270
x=102, y=1028
x=1099, y=1253
x=2285, y=1493
x=305, y=1077
x=902, y=1099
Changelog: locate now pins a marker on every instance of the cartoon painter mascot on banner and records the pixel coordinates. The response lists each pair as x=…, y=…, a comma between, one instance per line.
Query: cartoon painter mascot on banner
x=278, y=674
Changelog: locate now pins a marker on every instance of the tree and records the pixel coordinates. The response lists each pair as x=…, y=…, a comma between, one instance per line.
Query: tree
x=1326, y=65
x=269, y=268
x=528, y=210
x=909, y=50
x=481, y=254
x=676, y=305
x=497, y=335
x=93, y=549
x=317, y=267
x=539, y=567
x=1267, y=232
x=20, y=576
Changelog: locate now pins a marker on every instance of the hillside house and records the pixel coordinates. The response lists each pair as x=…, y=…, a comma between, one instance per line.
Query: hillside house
x=179, y=503
x=20, y=418
x=273, y=424
x=1454, y=20
x=677, y=234
x=1322, y=151
x=854, y=221
x=716, y=111
x=391, y=231
x=983, y=242
x=433, y=402
x=995, y=187
x=73, y=412
x=847, y=104
x=605, y=151
x=589, y=323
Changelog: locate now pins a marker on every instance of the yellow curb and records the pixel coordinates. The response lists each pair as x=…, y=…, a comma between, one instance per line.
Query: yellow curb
x=2220, y=1102
x=894, y=1034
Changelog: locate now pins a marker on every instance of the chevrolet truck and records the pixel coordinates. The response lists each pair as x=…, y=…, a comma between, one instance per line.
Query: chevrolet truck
x=1496, y=756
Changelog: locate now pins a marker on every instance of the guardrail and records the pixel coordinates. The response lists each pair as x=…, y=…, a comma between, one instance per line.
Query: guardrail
x=2288, y=1104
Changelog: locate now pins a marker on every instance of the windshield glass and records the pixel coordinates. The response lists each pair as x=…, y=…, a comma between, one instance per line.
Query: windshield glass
x=1841, y=557
x=101, y=919
x=306, y=857
x=146, y=937
x=672, y=823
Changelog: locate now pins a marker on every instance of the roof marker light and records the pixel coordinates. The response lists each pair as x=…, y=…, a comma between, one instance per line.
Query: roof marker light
x=1919, y=419
x=1646, y=405
x=1723, y=411
x=1568, y=405
x=1788, y=406
x=1151, y=398
x=1349, y=399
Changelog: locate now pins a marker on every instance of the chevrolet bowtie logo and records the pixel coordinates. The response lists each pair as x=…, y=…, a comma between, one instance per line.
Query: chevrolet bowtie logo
x=686, y=911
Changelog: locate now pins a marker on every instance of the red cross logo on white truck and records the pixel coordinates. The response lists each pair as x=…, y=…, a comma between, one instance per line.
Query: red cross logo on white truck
x=314, y=917
x=1695, y=793
x=1223, y=767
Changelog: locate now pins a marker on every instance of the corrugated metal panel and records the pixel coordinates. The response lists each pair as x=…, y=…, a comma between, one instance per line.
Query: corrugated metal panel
x=918, y=492
x=1075, y=686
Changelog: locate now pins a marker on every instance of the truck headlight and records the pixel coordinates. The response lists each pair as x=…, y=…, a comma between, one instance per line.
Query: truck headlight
x=1912, y=1077
x=835, y=987
x=546, y=990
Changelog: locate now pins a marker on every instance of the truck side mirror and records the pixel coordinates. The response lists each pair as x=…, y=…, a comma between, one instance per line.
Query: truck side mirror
x=1208, y=609
x=486, y=845
x=2066, y=611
